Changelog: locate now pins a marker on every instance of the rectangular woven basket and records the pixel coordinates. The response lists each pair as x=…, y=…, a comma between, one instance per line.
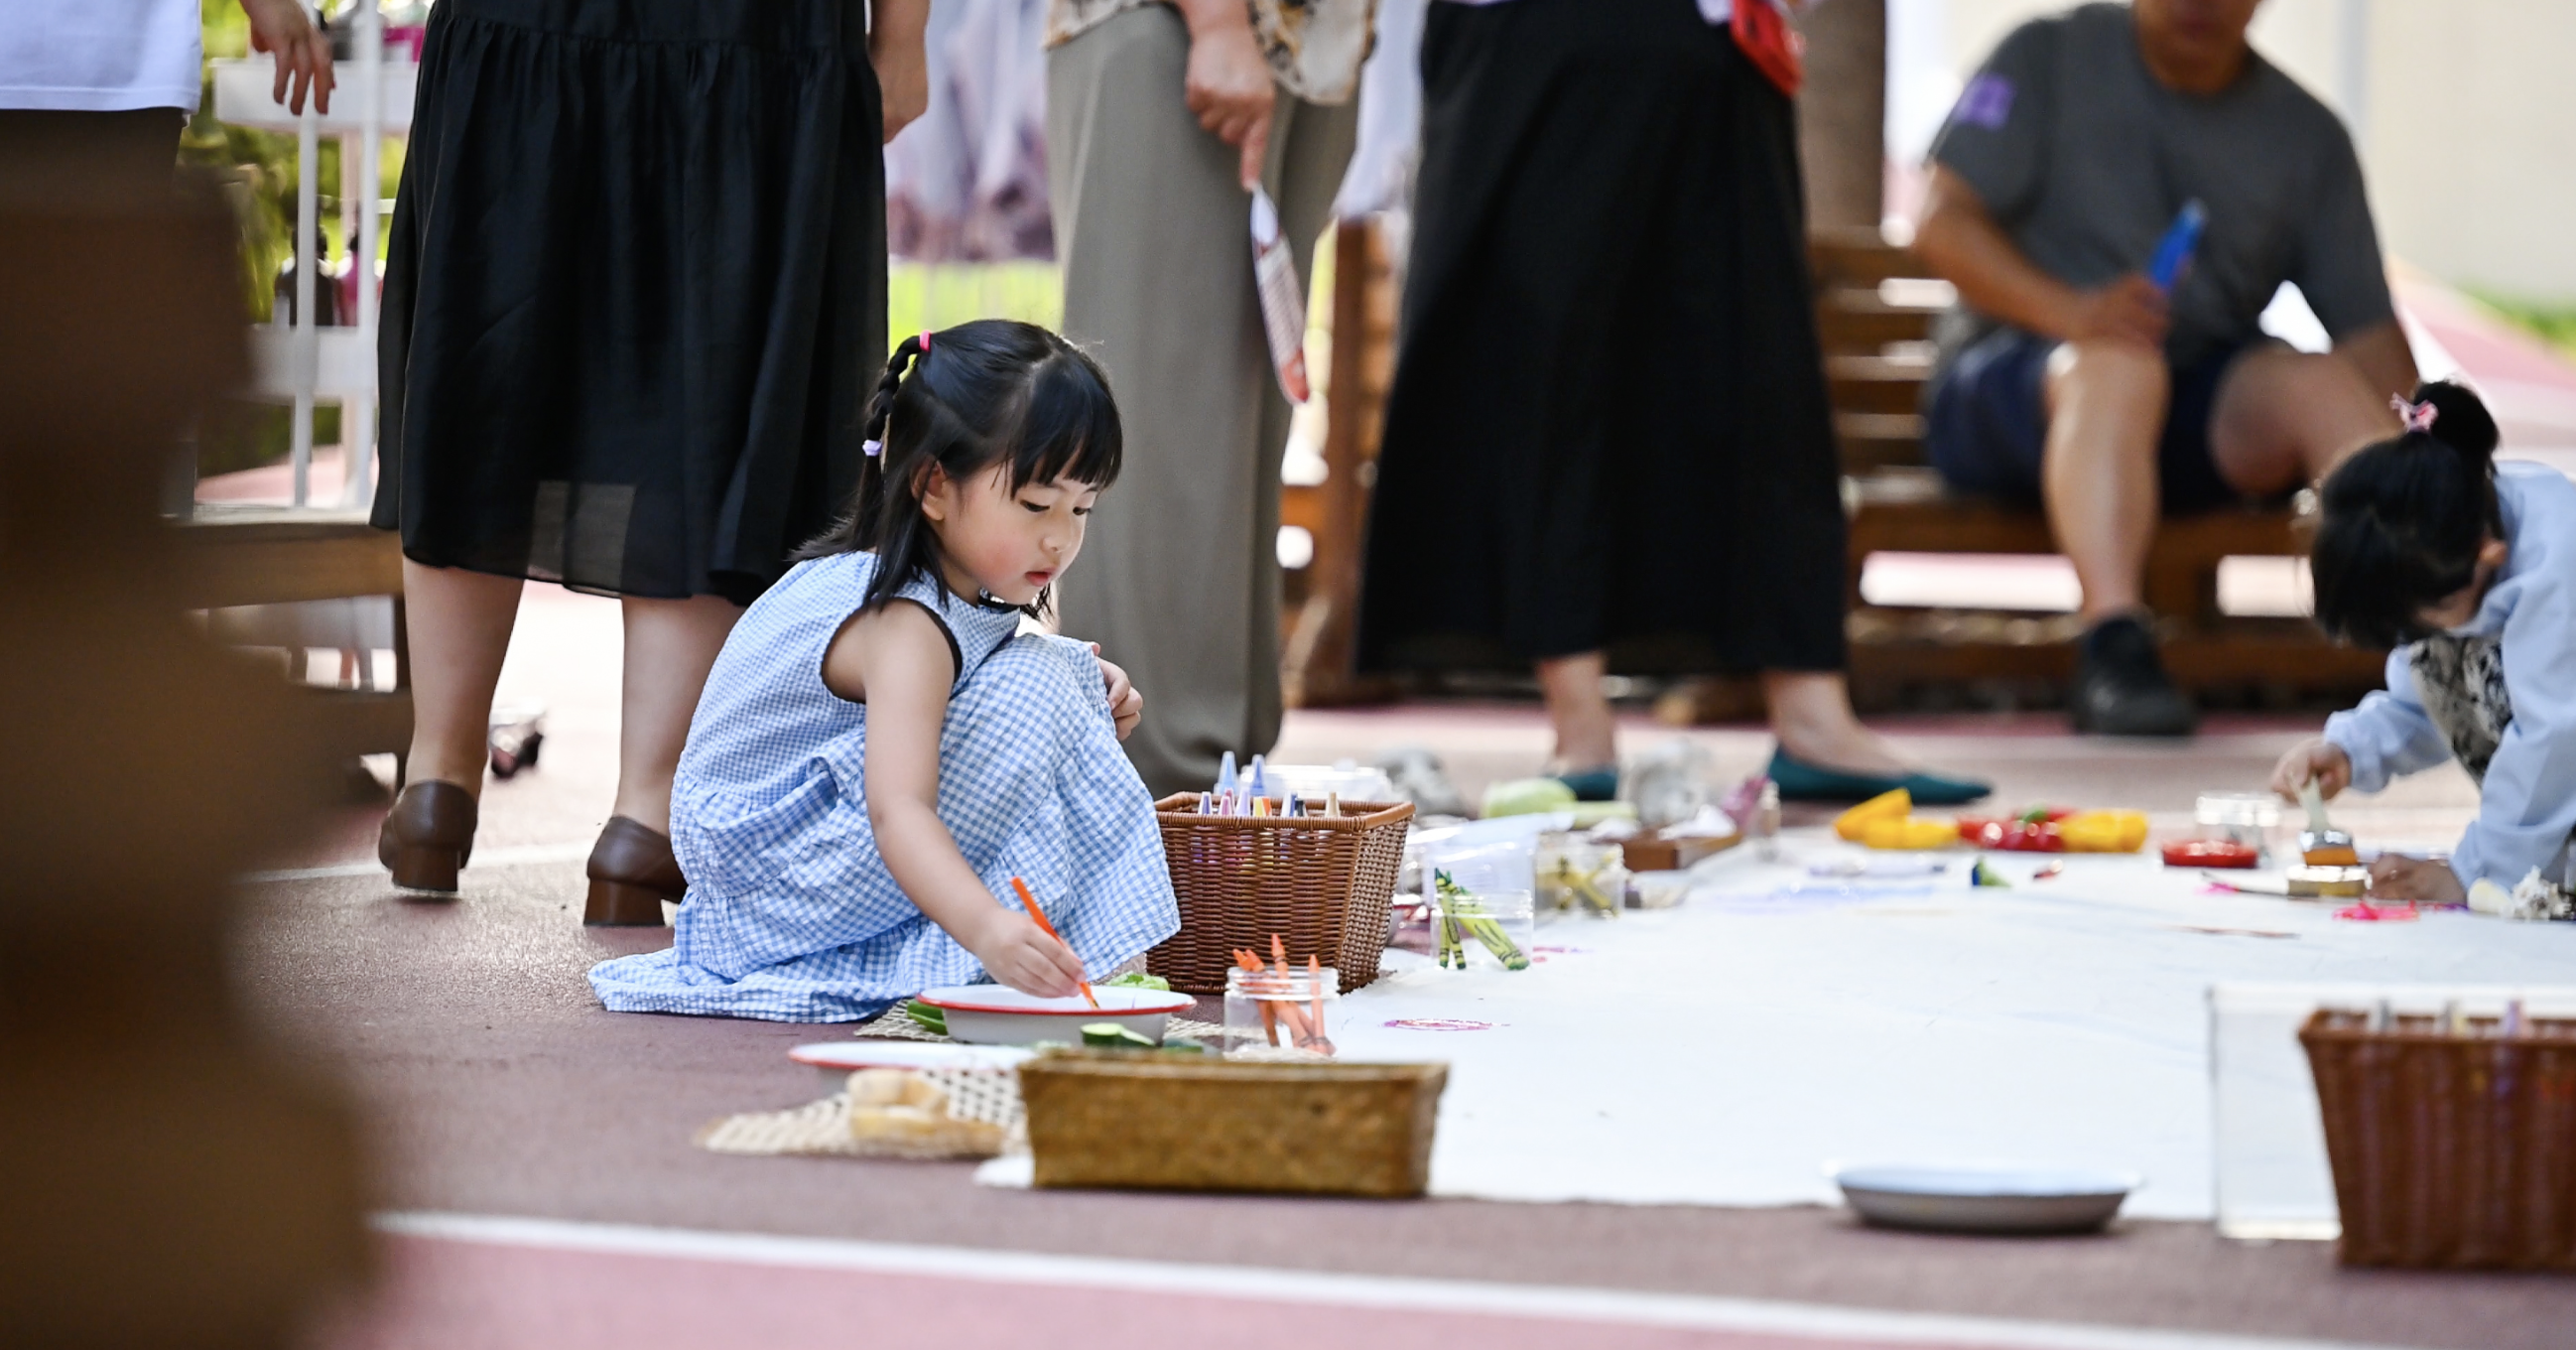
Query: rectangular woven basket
x=1166, y=1122
x=2449, y=1151
x=1320, y=883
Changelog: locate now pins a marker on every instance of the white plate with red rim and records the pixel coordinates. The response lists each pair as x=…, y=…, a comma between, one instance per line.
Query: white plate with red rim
x=996, y=1014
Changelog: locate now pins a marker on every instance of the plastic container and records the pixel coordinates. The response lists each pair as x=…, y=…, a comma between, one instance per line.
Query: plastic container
x=1576, y=875
x=2247, y=818
x=1276, y=1014
x=1657, y=890
x=1483, y=929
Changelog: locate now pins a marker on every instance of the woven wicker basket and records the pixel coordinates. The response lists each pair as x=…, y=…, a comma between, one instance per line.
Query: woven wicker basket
x=1167, y=1122
x=2454, y=1151
x=1320, y=883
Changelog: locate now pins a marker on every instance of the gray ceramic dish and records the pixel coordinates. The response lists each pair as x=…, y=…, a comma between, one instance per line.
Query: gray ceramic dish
x=1985, y=1199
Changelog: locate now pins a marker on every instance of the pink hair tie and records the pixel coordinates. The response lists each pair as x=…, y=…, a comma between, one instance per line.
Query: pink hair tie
x=2417, y=416
x=925, y=342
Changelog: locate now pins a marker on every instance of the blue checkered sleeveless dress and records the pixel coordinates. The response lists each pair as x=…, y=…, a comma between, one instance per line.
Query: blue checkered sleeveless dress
x=791, y=915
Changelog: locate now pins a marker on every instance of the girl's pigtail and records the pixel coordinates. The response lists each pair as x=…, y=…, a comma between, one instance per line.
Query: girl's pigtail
x=872, y=476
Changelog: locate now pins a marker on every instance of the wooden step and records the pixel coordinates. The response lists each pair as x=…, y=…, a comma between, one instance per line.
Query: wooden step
x=1876, y=384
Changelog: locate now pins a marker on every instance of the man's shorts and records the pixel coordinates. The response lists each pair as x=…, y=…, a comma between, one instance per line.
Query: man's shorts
x=1986, y=423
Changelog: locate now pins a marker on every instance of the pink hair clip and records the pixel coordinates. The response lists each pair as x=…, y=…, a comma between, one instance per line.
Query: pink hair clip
x=2417, y=416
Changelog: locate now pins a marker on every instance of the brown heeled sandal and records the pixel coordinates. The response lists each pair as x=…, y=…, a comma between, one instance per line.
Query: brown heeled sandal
x=427, y=836
x=631, y=873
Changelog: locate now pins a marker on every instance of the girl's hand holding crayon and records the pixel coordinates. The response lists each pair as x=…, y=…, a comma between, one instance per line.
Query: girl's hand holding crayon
x=1018, y=953
x=2319, y=761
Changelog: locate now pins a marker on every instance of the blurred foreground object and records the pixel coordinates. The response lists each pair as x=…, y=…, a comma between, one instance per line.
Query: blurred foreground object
x=173, y=1180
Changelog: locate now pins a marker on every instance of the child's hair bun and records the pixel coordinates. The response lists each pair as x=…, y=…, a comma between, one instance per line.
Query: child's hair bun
x=2460, y=418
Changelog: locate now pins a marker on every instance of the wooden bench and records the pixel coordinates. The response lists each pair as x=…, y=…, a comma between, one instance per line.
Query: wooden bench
x=278, y=555
x=1874, y=310
x=1320, y=601
x=1874, y=313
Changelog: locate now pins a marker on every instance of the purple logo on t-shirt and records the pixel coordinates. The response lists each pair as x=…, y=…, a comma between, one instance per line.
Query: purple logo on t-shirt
x=1987, y=103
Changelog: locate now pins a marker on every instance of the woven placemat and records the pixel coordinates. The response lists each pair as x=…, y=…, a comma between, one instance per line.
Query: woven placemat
x=968, y=1113
x=985, y=1104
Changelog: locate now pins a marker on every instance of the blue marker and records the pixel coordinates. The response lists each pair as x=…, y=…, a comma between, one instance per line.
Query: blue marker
x=1260, y=780
x=1225, y=772
x=2182, y=239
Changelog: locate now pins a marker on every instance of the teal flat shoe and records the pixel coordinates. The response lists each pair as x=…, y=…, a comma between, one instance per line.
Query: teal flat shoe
x=1803, y=782
x=1593, y=785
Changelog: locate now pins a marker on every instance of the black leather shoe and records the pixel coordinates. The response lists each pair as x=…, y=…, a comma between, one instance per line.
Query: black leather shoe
x=631, y=873
x=2121, y=688
x=427, y=836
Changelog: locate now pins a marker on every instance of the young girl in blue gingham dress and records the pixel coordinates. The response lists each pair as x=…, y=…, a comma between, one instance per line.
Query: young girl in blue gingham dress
x=879, y=751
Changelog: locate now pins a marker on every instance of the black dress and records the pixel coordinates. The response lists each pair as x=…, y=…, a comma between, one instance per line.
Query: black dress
x=1609, y=428
x=635, y=298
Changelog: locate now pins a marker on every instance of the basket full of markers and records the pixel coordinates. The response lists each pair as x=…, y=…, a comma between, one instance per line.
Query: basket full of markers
x=2449, y=1136
x=1248, y=864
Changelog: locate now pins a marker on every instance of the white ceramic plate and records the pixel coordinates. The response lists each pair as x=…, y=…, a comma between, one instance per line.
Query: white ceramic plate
x=839, y=1059
x=994, y=1014
x=1981, y=1199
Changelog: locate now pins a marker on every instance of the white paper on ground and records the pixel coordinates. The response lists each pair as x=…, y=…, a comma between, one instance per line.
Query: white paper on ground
x=1720, y=1053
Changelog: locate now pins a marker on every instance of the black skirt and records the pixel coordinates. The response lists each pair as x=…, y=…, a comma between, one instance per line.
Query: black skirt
x=635, y=299
x=1609, y=429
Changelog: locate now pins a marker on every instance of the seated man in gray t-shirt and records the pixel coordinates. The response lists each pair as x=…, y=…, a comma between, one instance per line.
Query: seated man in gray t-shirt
x=2071, y=377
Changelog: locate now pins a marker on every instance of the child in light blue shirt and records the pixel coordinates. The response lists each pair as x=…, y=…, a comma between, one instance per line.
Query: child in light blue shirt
x=2468, y=569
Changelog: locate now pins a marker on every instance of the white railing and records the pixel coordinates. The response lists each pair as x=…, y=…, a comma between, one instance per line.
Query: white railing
x=299, y=361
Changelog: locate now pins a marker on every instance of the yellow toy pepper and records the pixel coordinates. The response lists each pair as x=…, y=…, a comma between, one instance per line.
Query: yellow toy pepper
x=1854, y=823
x=2104, y=832
x=1909, y=832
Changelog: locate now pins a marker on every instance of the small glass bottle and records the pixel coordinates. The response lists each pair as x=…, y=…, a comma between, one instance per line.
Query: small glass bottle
x=1766, y=824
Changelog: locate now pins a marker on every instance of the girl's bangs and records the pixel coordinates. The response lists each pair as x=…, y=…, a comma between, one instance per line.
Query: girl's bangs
x=1069, y=430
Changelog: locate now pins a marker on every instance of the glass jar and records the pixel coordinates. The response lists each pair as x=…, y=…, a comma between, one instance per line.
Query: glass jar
x=1282, y=1014
x=2247, y=818
x=1575, y=874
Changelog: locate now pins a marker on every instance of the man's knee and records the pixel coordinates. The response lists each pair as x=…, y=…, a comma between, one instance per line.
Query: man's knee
x=2312, y=382
x=2107, y=370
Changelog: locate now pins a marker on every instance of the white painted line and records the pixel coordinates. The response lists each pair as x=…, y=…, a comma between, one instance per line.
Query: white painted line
x=525, y=856
x=1400, y=1293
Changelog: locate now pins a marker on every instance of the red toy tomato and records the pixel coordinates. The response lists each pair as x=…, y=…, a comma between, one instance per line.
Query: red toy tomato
x=2012, y=836
x=2211, y=853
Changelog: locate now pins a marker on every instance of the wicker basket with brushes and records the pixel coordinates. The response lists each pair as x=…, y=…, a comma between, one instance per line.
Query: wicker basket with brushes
x=1320, y=883
x=2453, y=1140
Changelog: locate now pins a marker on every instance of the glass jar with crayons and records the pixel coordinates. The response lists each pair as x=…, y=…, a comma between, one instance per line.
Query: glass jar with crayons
x=1281, y=1009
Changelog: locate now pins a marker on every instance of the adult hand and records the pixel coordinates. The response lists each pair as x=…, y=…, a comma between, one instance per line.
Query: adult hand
x=2130, y=309
x=1126, y=706
x=1228, y=85
x=2320, y=761
x=1017, y=952
x=2425, y=880
x=303, y=51
x=898, y=48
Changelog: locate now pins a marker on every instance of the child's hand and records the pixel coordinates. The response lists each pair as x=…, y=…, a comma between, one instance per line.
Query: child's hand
x=2322, y=761
x=2396, y=877
x=1020, y=954
x=1126, y=706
